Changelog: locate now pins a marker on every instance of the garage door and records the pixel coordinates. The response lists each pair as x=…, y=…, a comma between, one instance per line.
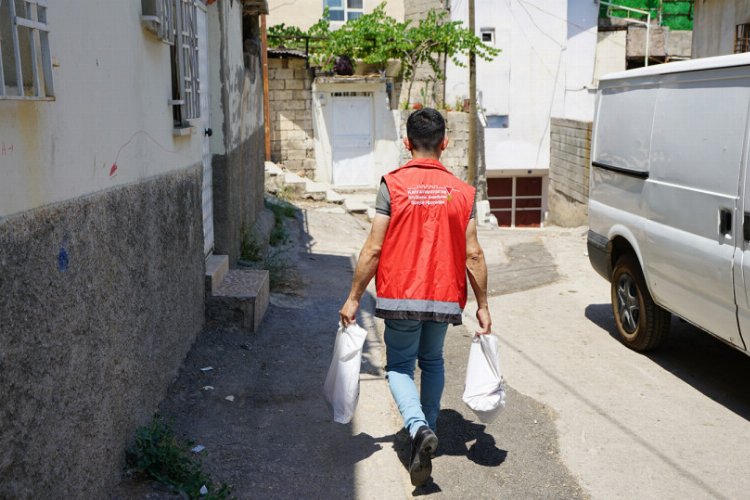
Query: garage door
x=516, y=201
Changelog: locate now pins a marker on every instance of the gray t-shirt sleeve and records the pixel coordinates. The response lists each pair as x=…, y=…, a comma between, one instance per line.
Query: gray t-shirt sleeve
x=383, y=202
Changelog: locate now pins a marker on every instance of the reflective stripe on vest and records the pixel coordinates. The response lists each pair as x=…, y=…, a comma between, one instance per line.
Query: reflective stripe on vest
x=424, y=310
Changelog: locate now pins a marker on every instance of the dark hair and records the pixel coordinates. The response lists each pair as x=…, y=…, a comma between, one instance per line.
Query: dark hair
x=425, y=128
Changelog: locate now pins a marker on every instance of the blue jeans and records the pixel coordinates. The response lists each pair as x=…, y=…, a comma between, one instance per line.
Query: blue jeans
x=407, y=341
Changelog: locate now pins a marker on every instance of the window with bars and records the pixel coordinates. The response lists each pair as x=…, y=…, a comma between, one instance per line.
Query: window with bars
x=344, y=10
x=25, y=61
x=174, y=22
x=742, y=38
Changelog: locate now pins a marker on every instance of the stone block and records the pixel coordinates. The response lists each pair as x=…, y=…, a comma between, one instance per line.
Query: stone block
x=296, y=105
x=297, y=65
x=295, y=154
x=294, y=84
x=286, y=124
x=294, y=135
x=309, y=164
x=277, y=106
x=303, y=95
x=275, y=84
x=294, y=165
x=295, y=145
x=280, y=95
x=302, y=114
x=636, y=41
x=334, y=197
x=283, y=74
x=565, y=211
x=241, y=299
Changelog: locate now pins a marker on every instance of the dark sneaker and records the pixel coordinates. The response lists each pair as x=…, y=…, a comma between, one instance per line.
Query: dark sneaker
x=423, y=448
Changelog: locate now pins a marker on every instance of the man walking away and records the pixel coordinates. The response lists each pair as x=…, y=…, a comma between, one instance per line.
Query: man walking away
x=422, y=242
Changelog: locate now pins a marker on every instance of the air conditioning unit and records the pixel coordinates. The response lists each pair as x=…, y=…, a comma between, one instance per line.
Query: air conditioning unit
x=157, y=16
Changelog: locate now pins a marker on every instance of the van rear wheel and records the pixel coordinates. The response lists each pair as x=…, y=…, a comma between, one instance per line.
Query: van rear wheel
x=641, y=323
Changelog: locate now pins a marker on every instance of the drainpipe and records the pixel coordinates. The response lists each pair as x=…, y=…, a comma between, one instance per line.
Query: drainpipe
x=266, y=100
x=472, y=170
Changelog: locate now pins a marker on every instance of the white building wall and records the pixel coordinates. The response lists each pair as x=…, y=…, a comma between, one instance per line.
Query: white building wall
x=610, y=53
x=305, y=13
x=112, y=83
x=545, y=69
x=714, y=25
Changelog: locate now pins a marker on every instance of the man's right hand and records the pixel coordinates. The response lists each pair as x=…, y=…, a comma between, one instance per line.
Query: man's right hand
x=348, y=312
x=485, y=321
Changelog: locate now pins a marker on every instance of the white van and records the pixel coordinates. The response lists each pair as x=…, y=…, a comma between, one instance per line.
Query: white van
x=669, y=208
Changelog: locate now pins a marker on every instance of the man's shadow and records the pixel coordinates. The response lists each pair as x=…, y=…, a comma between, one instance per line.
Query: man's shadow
x=454, y=433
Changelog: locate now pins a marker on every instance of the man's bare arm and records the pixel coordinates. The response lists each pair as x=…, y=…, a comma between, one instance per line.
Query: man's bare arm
x=367, y=265
x=477, y=271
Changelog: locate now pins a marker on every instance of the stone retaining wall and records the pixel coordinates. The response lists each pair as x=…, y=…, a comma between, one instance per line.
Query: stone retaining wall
x=290, y=95
x=570, y=147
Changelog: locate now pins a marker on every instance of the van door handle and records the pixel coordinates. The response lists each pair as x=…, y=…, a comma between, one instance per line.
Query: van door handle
x=746, y=227
x=725, y=221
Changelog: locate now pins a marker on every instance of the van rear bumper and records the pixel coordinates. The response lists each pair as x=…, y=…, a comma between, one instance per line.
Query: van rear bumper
x=600, y=252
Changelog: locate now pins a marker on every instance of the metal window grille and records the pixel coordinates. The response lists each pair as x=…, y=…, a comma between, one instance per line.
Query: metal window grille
x=344, y=10
x=351, y=94
x=186, y=42
x=175, y=23
x=742, y=38
x=25, y=61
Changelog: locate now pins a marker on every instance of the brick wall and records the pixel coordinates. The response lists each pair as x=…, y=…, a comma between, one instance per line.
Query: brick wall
x=290, y=96
x=570, y=148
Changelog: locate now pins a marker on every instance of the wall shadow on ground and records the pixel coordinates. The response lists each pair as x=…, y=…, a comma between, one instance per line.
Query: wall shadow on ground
x=706, y=363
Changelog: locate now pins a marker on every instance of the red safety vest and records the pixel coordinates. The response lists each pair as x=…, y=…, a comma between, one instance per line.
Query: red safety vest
x=422, y=269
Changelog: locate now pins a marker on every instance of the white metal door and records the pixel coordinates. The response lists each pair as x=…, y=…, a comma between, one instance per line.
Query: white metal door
x=208, y=212
x=352, y=140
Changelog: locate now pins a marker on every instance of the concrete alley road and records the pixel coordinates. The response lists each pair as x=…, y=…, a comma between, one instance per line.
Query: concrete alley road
x=275, y=439
x=672, y=424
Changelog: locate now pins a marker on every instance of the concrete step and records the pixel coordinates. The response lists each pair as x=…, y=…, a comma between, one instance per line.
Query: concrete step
x=315, y=190
x=241, y=299
x=217, y=267
x=272, y=169
x=355, y=206
x=333, y=197
x=295, y=182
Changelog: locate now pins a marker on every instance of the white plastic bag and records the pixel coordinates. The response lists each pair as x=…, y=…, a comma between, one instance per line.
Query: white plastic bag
x=341, y=388
x=484, y=391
